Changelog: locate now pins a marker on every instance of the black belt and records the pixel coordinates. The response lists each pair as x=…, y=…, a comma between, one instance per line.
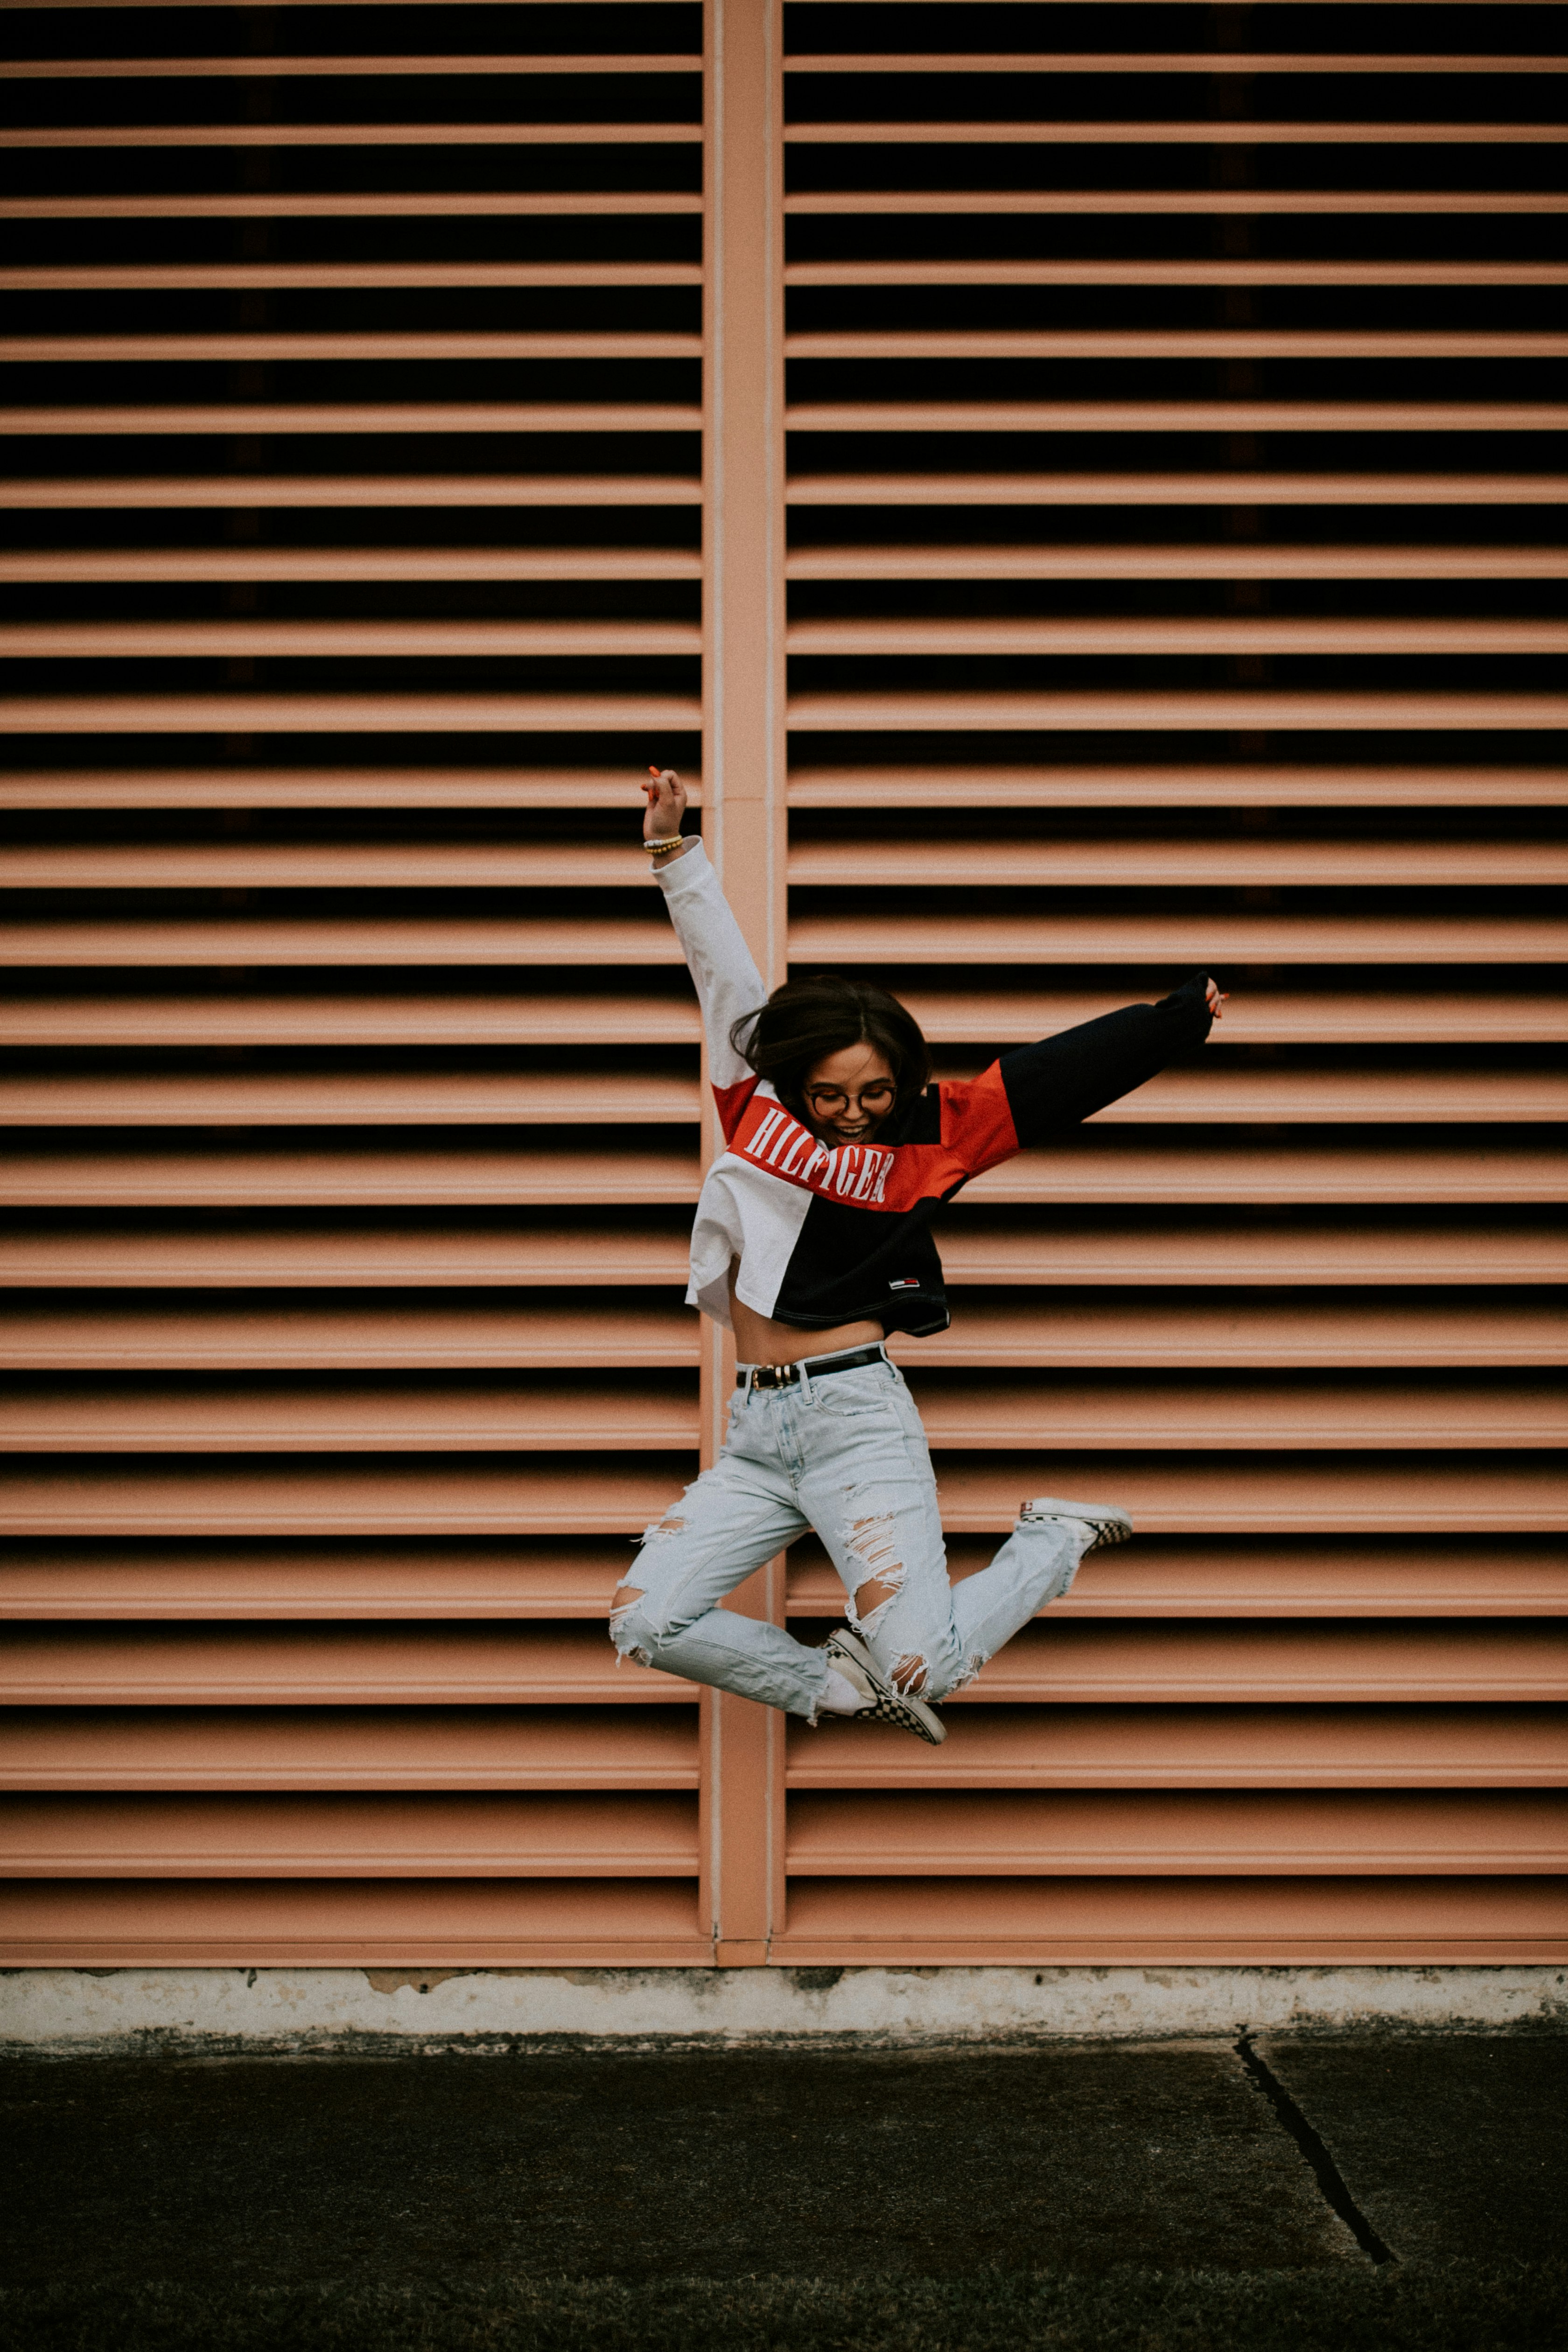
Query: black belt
x=786, y=1376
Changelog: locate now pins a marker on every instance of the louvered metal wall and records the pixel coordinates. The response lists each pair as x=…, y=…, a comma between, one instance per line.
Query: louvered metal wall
x=1174, y=553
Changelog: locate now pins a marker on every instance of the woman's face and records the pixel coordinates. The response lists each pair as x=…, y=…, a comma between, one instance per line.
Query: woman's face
x=848, y=1094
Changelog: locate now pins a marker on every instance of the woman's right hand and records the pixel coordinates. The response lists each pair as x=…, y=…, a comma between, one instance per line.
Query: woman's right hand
x=665, y=807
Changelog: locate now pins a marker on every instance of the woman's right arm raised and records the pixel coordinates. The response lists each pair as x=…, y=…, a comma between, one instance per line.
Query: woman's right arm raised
x=726, y=979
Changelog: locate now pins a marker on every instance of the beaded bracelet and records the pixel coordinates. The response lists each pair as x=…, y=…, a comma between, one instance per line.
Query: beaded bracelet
x=658, y=848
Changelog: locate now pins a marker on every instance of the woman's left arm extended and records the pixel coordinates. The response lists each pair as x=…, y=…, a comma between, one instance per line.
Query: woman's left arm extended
x=1067, y=1078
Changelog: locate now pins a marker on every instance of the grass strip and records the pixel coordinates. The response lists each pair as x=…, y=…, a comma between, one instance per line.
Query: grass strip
x=1454, y=2308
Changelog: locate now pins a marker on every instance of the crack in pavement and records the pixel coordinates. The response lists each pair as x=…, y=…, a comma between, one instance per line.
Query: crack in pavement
x=1331, y=2180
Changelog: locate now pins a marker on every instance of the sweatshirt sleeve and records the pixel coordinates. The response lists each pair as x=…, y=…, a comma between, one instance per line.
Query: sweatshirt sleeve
x=727, y=982
x=1067, y=1078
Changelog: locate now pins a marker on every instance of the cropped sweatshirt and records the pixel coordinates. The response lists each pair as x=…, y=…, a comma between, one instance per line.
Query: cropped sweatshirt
x=817, y=1236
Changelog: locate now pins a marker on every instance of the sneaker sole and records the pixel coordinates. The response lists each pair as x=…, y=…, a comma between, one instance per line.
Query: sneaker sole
x=892, y=1705
x=1111, y=1524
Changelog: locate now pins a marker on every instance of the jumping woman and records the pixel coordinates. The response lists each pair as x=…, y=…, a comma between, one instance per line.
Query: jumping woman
x=813, y=1241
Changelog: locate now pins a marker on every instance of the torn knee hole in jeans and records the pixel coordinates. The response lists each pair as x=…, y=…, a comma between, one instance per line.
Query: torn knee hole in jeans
x=670, y=1525
x=871, y=1545
x=620, y=1610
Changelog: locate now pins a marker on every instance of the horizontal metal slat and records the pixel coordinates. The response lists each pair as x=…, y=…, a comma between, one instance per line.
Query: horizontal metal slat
x=195, y=1256
x=114, y=491
x=1423, y=1493
x=976, y=1248
x=1339, y=1097
x=325, y=1666
x=1279, y=1662
x=1263, y=1413
x=1111, y=863
x=634, y=1836
x=388, y=1174
x=1182, y=939
x=1163, y=1578
x=1296, y=1493
x=1247, y=709
x=1129, y=488
x=1250, y=62
x=355, y=418
x=416, y=864
x=332, y=787
x=253, y=1020
x=1104, y=1921
x=366, y=134
x=363, y=1748
x=1113, y=562
x=273, y=277
x=1254, y=133
x=598, y=1334
x=354, y=1923
x=250, y=1581
x=305, y=1416
x=350, y=1098
x=340, y=640
x=1260, y=1016
x=1162, y=272
x=1216, y=202
x=357, y=714
x=911, y=638
x=1146, y=416
x=1176, y=344
x=334, y=563
x=272, y=67
x=1108, y=1836
x=1246, y=784
x=1225, y=1332
x=488, y=204
x=1354, y=1746
x=352, y=939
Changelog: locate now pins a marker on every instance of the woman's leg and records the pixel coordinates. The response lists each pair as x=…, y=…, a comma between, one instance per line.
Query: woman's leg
x=1037, y=1564
x=869, y=1488
x=665, y=1612
x=871, y=1496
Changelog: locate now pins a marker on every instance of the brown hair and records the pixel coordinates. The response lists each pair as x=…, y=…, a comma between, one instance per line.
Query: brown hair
x=806, y=1020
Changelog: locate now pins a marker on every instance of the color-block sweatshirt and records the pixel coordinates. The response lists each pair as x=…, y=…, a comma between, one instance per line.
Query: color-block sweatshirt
x=821, y=1236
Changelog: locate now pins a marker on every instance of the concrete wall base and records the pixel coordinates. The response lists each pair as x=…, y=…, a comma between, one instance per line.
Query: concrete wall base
x=67, y=2012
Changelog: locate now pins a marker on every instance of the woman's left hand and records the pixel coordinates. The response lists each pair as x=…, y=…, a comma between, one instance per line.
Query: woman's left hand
x=1218, y=999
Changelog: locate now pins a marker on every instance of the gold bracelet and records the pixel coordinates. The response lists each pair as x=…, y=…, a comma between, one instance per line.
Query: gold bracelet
x=658, y=848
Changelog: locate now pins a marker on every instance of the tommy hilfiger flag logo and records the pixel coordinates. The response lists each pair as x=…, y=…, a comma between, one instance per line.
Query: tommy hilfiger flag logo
x=908, y=1283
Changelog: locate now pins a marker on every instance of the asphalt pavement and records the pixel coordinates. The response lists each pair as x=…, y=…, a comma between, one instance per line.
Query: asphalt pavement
x=1302, y=2153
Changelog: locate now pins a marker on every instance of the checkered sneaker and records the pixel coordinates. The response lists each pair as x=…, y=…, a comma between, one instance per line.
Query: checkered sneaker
x=885, y=1703
x=1111, y=1524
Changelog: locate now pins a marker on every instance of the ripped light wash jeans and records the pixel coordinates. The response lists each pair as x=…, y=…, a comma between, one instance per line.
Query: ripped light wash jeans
x=848, y=1456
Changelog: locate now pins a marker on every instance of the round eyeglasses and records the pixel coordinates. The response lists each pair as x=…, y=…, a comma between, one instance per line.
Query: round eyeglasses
x=832, y=1102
